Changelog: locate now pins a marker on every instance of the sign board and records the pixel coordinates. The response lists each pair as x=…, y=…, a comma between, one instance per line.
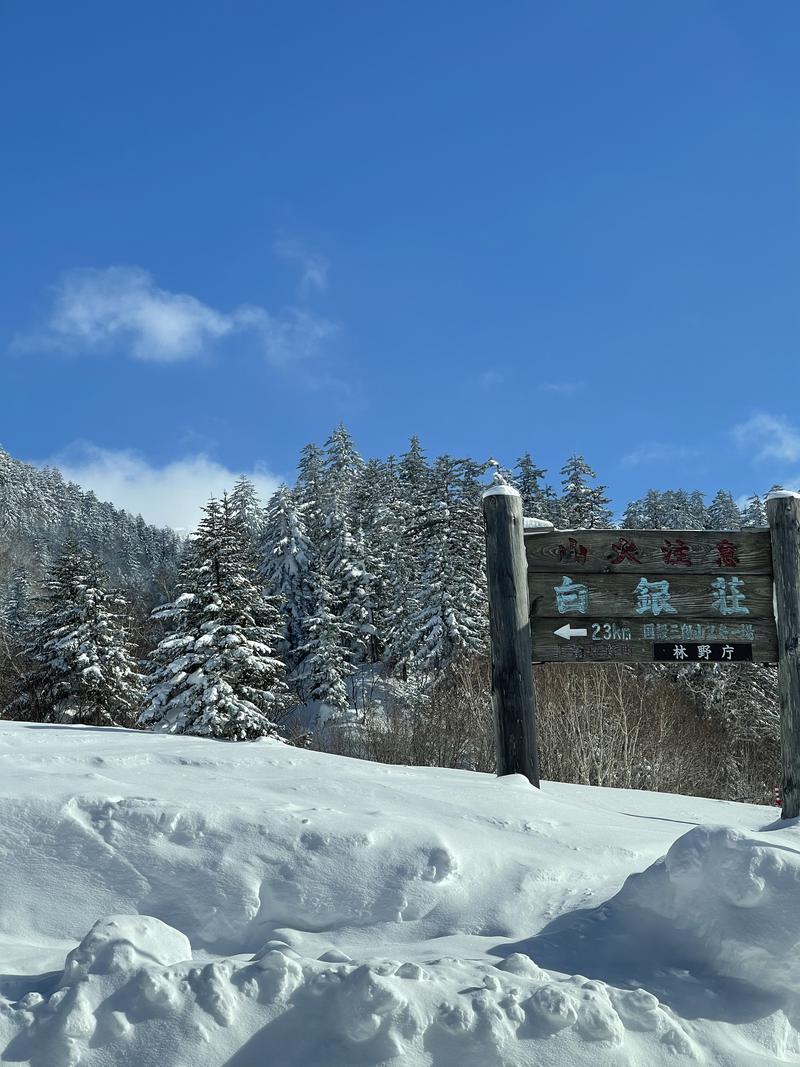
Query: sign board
x=643, y=595
x=677, y=596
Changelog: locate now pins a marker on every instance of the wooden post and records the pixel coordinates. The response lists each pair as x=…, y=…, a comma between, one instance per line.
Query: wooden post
x=783, y=512
x=513, y=696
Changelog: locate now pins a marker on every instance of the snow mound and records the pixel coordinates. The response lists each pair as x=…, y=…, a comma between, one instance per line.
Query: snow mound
x=732, y=901
x=115, y=1000
x=123, y=944
x=174, y=901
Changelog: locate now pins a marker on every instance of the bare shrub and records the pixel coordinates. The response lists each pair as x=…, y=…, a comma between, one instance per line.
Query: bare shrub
x=616, y=725
x=610, y=725
x=446, y=722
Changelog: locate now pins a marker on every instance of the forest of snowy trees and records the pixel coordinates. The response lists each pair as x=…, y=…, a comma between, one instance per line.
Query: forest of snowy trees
x=349, y=611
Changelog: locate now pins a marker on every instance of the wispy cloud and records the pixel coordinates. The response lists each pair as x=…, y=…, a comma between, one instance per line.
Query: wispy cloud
x=770, y=437
x=489, y=379
x=314, y=267
x=122, y=308
x=564, y=388
x=170, y=494
x=658, y=452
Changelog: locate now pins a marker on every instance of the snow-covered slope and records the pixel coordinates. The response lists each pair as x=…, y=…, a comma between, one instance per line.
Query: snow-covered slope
x=191, y=903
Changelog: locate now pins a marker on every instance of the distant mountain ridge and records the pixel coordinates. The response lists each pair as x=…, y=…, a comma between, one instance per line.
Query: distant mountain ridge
x=40, y=510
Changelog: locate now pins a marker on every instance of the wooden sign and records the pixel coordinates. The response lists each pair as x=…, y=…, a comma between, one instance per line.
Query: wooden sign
x=644, y=595
x=690, y=596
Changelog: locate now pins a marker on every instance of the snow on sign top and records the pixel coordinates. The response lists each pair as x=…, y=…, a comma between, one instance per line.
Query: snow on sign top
x=500, y=489
x=642, y=595
x=533, y=525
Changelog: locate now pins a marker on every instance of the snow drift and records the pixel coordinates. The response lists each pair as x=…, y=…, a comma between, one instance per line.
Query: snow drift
x=177, y=901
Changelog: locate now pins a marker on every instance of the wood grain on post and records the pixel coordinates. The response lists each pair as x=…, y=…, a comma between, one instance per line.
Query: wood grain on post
x=513, y=696
x=783, y=512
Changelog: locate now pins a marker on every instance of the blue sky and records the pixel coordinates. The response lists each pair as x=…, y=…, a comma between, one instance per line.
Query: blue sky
x=552, y=227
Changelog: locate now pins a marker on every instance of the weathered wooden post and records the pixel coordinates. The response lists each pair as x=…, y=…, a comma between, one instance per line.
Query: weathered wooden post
x=513, y=696
x=783, y=513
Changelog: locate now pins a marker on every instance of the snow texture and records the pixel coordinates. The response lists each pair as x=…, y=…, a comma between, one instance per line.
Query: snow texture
x=173, y=900
x=537, y=525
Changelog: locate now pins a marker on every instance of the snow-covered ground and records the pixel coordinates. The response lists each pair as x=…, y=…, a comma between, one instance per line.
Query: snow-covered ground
x=187, y=903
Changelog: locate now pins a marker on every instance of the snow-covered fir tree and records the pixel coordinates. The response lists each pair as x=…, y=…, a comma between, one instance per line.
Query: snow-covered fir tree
x=582, y=506
x=669, y=510
x=724, y=512
x=340, y=545
x=79, y=666
x=343, y=470
x=538, y=501
x=644, y=514
x=16, y=606
x=340, y=560
x=755, y=513
x=326, y=663
x=246, y=508
x=376, y=533
x=310, y=488
x=449, y=616
x=285, y=568
x=403, y=558
x=216, y=672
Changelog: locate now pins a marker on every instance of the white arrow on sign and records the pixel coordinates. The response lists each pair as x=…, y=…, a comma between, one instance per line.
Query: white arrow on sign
x=566, y=631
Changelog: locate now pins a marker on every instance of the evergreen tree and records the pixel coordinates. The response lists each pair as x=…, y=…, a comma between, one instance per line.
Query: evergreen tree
x=216, y=673
x=344, y=468
x=723, y=512
x=326, y=664
x=448, y=616
x=310, y=489
x=413, y=496
x=347, y=580
x=16, y=607
x=755, y=513
x=285, y=568
x=644, y=514
x=376, y=534
x=674, y=509
x=696, y=516
x=246, y=508
x=536, y=503
x=583, y=506
x=80, y=667
x=341, y=543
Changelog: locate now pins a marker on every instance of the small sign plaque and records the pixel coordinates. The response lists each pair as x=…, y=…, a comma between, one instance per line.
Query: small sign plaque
x=690, y=652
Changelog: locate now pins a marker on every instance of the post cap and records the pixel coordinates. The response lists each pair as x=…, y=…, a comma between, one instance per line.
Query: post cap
x=500, y=489
x=500, y=485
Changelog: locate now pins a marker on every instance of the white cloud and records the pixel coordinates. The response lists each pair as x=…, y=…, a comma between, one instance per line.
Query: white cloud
x=771, y=437
x=657, y=452
x=314, y=267
x=488, y=379
x=169, y=495
x=563, y=388
x=297, y=335
x=123, y=307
